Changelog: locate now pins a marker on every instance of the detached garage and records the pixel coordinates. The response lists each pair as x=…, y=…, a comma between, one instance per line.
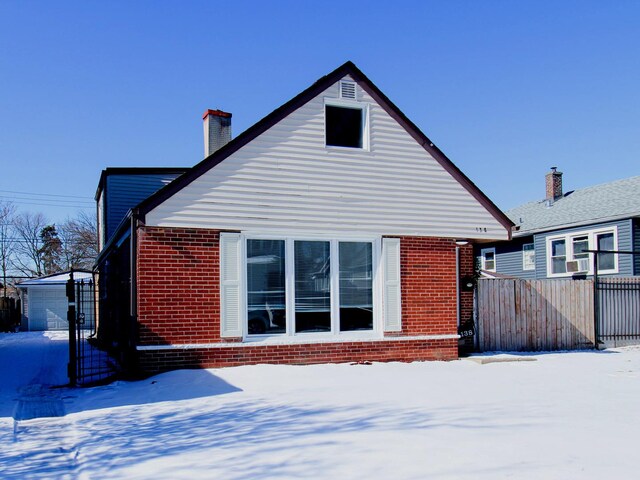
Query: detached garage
x=44, y=301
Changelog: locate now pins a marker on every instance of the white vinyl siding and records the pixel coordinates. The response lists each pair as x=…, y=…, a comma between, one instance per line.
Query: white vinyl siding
x=286, y=180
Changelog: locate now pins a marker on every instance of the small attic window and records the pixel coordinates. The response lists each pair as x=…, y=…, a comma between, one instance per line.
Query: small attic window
x=348, y=90
x=344, y=126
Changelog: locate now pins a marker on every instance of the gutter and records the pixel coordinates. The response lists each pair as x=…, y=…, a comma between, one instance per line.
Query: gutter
x=581, y=223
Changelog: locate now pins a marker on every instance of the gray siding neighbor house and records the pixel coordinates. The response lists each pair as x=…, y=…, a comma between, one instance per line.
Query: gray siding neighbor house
x=552, y=236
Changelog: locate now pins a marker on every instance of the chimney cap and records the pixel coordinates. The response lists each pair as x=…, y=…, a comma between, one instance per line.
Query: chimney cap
x=217, y=113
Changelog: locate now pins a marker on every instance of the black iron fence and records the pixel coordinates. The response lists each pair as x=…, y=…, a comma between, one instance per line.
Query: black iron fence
x=88, y=363
x=616, y=304
x=618, y=310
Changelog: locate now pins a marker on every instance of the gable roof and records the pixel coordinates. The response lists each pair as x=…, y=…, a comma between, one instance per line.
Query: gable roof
x=56, y=279
x=296, y=102
x=600, y=203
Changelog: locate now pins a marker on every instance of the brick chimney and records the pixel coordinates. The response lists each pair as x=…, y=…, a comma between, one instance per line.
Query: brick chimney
x=554, y=184
x=217, y=130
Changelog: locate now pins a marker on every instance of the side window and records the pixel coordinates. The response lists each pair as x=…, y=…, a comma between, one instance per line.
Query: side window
x=528, y=257
x=606, y=241
x=558, y=256
x=488, y=259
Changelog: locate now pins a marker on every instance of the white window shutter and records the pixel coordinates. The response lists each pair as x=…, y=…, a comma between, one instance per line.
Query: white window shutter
x=392, y=301
x=230, y=261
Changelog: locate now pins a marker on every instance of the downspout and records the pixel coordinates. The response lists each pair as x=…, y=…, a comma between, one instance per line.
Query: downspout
x=458, y=285
x=133, y=292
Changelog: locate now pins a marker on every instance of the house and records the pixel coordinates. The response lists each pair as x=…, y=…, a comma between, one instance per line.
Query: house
x=552, y=236
x=332, y=230
x=44, y=300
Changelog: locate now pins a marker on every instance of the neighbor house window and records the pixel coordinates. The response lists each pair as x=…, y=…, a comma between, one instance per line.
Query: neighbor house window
x=528, y=257
x=569, y=253
x=558, y=256
x=606, y=261
x=301, y=286
x=488, y=259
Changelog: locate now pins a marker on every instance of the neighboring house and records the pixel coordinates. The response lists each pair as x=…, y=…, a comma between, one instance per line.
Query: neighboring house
x=120, y=189
x=44, y=301
x=552, y=236
x=332, y=230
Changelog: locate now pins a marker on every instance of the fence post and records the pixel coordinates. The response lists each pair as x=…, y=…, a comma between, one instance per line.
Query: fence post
x=596, y=303
x=71, y=320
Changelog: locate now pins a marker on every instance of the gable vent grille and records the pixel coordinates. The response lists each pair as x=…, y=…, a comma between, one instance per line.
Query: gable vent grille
x=348, y=90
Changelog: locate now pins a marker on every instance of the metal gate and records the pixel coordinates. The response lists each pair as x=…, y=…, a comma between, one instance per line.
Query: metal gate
x=617, y=305
x=618, y=310
x=88, y=364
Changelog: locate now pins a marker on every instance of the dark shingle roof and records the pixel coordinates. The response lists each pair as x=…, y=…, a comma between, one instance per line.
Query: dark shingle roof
x=599, y=203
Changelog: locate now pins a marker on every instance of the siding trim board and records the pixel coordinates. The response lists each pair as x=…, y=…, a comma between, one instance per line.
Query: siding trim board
x=347, y=69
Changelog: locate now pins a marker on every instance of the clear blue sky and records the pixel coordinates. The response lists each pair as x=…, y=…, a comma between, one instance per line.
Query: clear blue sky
x=505, y=88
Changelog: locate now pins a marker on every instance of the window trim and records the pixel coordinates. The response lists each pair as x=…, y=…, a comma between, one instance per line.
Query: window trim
x=354, y=104
x=483, y=258
x=290, y=333
x=591, y=236
x=533, y=249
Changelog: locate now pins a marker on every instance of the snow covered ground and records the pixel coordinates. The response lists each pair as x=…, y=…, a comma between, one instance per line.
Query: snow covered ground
x=569, y=415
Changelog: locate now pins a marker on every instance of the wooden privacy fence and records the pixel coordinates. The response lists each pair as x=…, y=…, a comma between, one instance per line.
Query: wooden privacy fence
x=535, y=315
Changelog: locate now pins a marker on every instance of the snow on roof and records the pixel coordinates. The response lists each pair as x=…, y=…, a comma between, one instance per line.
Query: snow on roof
x=56, y=279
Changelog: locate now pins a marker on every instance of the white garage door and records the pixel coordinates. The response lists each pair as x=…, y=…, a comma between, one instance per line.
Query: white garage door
x=48, y=308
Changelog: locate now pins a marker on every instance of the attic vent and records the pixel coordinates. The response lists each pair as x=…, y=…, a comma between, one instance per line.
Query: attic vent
x=348, y=90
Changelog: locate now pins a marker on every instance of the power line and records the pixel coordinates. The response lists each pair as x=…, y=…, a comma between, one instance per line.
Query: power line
x=44, y=194
x=51, y=204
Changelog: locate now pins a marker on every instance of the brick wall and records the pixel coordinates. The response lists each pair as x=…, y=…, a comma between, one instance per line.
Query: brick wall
x=384, y=351
x=178, y=286
x=428, y=279
x=179, y=303
x=467, y=268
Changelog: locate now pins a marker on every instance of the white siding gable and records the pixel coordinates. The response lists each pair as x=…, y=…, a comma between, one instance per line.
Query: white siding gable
x=286, y=180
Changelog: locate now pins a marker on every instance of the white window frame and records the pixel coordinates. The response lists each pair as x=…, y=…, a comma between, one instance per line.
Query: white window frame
x=341, y=102
x=591, y=235
x=290, y=333
x=483, y=257
x=526, y=253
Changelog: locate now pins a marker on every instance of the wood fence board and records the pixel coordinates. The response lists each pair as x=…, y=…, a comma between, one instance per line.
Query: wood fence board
x=533, y=315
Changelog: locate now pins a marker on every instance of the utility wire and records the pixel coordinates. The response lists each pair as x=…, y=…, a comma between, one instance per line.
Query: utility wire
x=43, y=194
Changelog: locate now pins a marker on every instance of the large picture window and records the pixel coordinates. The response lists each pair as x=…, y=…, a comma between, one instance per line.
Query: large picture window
x=299, y=286
x=312, y=263
x=266, y=312
x=356, y=287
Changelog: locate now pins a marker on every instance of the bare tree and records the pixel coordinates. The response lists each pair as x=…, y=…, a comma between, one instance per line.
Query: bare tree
x=79, y=241
x=28, y=259
x=7, y=240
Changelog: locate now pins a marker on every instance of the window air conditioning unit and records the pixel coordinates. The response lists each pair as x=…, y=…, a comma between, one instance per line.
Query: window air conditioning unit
x=577, y=266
